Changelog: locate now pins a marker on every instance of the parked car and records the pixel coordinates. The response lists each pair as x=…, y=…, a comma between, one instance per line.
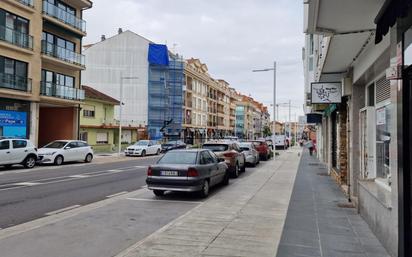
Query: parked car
x=281, y=142
x=269, y=142
x=17, y=151
x=230, y=151
x=143, y=148
x=61, y=151
x=191, y=170
x=250, y=152
x=171, y=145
x=262, y=148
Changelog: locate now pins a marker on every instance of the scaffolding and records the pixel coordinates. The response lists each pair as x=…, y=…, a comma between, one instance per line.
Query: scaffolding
x=165, y=91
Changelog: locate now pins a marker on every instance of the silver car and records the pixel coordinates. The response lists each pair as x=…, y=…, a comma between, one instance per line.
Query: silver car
x=250, y=152
x=194, y=170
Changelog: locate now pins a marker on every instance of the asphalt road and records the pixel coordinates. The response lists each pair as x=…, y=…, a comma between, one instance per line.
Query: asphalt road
x=26, y=195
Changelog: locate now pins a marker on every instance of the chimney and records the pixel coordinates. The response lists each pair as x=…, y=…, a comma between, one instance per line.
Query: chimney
x=120, y=31
x=103, y=38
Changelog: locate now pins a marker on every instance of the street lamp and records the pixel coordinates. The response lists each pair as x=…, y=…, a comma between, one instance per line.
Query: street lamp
x=274, y=101
x=120, y=110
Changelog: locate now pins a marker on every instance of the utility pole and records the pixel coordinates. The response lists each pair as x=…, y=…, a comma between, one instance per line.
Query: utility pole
x=290, y=127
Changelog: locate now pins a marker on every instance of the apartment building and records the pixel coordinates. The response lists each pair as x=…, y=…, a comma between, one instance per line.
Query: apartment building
x=251, y=118
x=40, y=65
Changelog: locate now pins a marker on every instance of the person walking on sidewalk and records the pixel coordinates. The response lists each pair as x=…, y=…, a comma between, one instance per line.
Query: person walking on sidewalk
x=309, y=144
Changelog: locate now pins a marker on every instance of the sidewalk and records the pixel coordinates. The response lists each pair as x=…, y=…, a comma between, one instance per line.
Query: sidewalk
x=246, y=219
x=316, y=226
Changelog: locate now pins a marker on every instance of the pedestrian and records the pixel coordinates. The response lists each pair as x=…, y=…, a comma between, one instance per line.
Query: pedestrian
x=309, y=144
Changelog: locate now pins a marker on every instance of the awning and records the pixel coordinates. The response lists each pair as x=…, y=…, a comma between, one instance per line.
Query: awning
x=388, y=14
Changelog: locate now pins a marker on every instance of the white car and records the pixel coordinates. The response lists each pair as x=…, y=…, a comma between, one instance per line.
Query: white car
x=143, y=147
x=61, y=151
x=17, y=151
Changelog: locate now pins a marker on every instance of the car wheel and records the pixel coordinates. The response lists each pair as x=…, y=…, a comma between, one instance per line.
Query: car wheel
x=225, y=181
x=158, y=192
x=254, y=163
x=29, y=162
x=236, y=171
x=58, y=160
x=243, y=169
x=89, y=158
x=205, y=189
x=143, y=153
x=158, y=152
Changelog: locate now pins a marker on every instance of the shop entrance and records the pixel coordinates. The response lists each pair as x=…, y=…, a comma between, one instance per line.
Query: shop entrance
x=57, y=123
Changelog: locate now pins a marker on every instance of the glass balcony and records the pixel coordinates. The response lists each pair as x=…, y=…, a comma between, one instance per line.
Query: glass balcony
x=16, y=38
x=26, y=2
x=60, y=91
x=11, y=81
x=64, y=16
x=62, y=53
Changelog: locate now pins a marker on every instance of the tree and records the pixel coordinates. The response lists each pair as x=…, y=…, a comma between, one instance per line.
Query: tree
x=266, y=131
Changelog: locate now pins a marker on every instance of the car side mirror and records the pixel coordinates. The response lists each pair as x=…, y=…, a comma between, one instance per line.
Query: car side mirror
x=67, y=148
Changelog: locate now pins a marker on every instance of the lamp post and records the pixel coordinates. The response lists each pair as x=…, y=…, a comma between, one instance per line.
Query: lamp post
x=274, y=101
x=120, y=110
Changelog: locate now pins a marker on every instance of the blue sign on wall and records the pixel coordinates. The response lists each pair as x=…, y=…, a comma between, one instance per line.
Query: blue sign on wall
x=13, y=124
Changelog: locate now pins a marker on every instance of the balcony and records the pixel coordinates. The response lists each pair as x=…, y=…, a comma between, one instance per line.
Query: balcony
x=60, y=91
x=64, y=16
x=29, y=3
x=63, y=54
x=10, y=81
x=16, y=38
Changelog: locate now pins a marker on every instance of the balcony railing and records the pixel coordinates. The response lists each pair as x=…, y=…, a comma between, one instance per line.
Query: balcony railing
x=60, y=91
x=16, y=37
x=64, y=16
x=62, y=53
x=10, y=81
x=26, y=2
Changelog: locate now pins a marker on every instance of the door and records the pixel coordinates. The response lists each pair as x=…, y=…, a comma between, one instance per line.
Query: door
x=367, y=139
x=5, y=153
x=210, y=167
x=71, y=152
x=19, y=150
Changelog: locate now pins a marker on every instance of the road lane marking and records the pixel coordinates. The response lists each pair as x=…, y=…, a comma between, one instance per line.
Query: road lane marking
x=29, y=184
x=141, y=167
x=115, y=170
x=62, y=210
x=79, y=176
x=158, y=200
x=117, y=194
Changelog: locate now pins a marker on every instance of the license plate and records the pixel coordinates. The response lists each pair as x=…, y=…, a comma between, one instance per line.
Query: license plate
x=169, y=173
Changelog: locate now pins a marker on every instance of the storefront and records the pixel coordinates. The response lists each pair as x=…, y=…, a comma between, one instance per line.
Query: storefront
x=14, y=118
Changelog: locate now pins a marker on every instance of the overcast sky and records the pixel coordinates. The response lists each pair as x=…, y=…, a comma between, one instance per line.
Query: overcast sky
x=232, y=37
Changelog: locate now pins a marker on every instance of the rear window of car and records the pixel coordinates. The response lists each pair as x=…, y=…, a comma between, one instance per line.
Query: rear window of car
x=216, y=147
x=178, y=158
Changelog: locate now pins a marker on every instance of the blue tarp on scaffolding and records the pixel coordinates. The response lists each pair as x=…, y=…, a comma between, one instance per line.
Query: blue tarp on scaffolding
x=158, y=54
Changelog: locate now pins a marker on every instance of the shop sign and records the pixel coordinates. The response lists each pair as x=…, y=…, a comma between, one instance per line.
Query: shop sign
x=381, y=116
x=13, y=124
x=326, y=93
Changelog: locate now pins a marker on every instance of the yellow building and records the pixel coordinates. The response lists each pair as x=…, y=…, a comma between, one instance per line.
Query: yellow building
x=40, y=65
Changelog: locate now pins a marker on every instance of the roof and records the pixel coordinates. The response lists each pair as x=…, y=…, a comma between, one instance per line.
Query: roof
x=95, y=94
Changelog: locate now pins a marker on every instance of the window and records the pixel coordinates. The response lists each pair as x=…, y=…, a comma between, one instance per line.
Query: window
x=19, y=144
x=57, y=46
x=12, y=67
x=101, y=138
x=383, y=139
x=88, y=114
x=53, y=78
x=4, y=145
x=72, y=145
x=371, y=95
x=83, y=136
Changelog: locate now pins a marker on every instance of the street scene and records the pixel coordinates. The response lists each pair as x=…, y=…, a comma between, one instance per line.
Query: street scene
x=205, y=128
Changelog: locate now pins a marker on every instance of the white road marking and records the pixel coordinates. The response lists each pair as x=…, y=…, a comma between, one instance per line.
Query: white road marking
x=140, y=167
x=157, y=200
x=29, y=184
x=63, y=210
x=115, y=170
x=117, y=194
x=79, y=176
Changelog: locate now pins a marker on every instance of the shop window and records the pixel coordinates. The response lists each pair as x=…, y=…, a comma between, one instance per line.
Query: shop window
x=383, y=139
x=101, y=138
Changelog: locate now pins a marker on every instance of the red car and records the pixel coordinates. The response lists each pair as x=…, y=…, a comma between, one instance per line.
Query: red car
x=263, y=149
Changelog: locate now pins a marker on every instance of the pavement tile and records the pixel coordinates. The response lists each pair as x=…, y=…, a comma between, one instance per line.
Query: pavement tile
x=285, y=250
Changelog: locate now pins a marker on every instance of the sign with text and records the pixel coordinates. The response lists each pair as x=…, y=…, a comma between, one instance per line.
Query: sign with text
x=326, y=93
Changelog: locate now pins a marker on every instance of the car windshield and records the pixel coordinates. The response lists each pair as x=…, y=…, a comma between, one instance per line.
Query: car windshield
x=216, y=147
x=142, y=142
x=171, y=143
x=56, y=144
x=244, y=146
x=178, y=158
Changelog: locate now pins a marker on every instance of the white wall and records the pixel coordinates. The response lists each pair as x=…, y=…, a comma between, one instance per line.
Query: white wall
x=124, y=53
